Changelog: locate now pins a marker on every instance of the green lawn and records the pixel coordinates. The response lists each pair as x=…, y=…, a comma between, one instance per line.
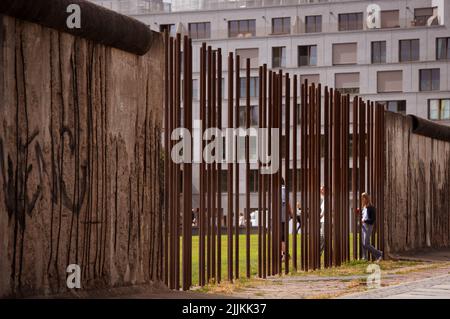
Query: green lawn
x=242, y=255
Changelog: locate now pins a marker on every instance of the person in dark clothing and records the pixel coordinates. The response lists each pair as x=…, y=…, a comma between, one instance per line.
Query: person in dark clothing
x=368, y=218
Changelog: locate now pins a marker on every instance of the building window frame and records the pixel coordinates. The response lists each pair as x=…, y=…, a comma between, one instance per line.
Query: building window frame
x=206, y=30
x=313, y=26
x=443, y=110
x=244, y=28
x=280, y=59
x=311, y=60
x=380, y=58
x=285, y=25
x=345, y=24
x=411, y=56
x=429, y=83
x=446, y=41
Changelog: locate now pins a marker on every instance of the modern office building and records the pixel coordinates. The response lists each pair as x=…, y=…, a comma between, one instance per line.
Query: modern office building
x=398, y=55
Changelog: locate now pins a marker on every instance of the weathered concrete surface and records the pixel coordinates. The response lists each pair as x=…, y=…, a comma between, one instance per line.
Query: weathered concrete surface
x=417, y=188
x=437, y=287
x=80, y=165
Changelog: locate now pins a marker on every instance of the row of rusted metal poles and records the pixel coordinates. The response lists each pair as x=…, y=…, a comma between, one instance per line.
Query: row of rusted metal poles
x=320, y=138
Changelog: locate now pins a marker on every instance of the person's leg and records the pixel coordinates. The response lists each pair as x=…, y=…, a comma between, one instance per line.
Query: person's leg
x=322, y=238
x=375, y=252
x=365, y=238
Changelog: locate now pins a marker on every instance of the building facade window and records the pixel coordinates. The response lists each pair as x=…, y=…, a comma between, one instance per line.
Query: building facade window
x=442, y=48
x=345, y=53
x=430, y=80
x=394, y=106
x=439, y=109
x=421, y=16
x=347, y=83
x=389, y=81
x=245, y=54
x=409, y=50
x=390, y=19
x=241, y=28
x=307, y=55
x=278, y=57
x=254, y=87
x=313, y=24
x=281, y=25
x=350, y=21
x=169, y=28
x=200, y=30
x=378, y=52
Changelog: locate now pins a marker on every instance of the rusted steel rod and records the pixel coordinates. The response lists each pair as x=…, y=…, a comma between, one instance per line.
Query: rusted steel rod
x=209, y=112
x=326, y=184
x=187, y=168
x=355, y=175
x=294, y=173
x=260, y=182
x=362, y=163
x=171, y=256
x=247, y=169
x=213, y=176
x=236, y=190
x=177, y=166
x=166, y=155
x=269, y=177
x=230, y=171
x=303, y=174
x=287, y=130
x=202, y=166
x=219, y=167
x=264, y=177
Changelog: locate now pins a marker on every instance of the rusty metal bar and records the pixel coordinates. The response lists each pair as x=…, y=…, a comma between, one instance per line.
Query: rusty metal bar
x=230, y=170
x=303, y=169
x=318, y=168
x=362, y=163
x=278, y=176
x=264, y=177
x=187, y=168
x=330, y=177
x=219, y=167
x=213, y=175
x=166, y=154
x=260, y=182
x=280, y=228
x=177, y=166
x=238, y=96
x=326, y=197
x=355, y=175
x=171, y=168
x=310, y=187
x=286, y=169
x=247, y=169
x=294, y=173
x=269, y=121
x=209, y=169
x=202, y=166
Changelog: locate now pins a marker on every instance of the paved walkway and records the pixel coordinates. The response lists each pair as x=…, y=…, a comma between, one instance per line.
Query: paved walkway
x=431, y=288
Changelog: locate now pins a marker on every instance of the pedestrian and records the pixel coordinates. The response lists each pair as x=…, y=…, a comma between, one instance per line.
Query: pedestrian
x=242, y=221
x=284, y=204
x=368, y=217
x=322, y=219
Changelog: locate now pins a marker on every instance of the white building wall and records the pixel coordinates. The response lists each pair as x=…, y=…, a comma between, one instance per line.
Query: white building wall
x=417, y=102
